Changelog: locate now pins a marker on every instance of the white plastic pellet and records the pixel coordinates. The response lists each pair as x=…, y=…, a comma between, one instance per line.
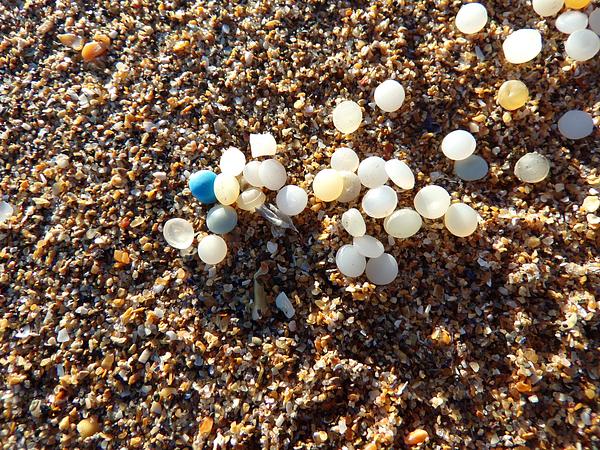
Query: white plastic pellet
x=291, y=200
x=353, y=223
x=458, y=145
x=382, y=270
x=350, y=262
x=221, y=219
x=547, y=8
x=403, y=223
x=461, y=220
x=343, y=159
x=251, y=199
x=582, y=45
x=379, y=202
x=368, y=246
x=272, y=174
x=576, y=124
x=178, y=233
x=532, y=168
x=471, y=169
x=262, y=145
x=571, y=21
x=347, y=117
x=400, y=174
x=389, y=95
x=522, y=46
x=212, y=249
x=232, y=162
x=227, y=189
x=471, y=18
x=251, y=174
x=352, y=187
x=328, y=185
x=371, y=172
x=432, y=201
x=594, y=20
x=6, y=211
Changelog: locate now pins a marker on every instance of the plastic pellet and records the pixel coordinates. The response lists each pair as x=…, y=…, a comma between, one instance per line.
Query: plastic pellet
x=251, y=199
x=353, y=223
x=202, y=185
x=6, y=211
x=272, y=174
x=251, y=174
x=212, y=249
x=347, y=117
x=459, y=144
x=291, y=200
x=461, y=220
x=328, y=185
x=576, y=124
x=262, y=145
x=379, y=202
x=513, y=94
x=471, y=18
x=227, y=189
x=471, y=169
x=582, y=45
x=546, y=8
x=368, y=246
x=352, y=187
x=178, y=233
x=389, y=95
x=350, y=262
x=371, y=172
x=284, y=304
x=382, y=270
x=232, y=162
x=571, y=21
x=344, y=159
x=532, y=168
x=594, y=20
x=577, y=4
x=221, y=219
x=522, y=46
x=403, y=223
x=432, y=201
x=400, y=174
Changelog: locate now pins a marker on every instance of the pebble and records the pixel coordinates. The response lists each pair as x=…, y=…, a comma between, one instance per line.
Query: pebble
x=522, y=46
x=400, y=174
x=459, y=144
x=389, y=95
x=547, y=8
x=379, y=202
x=532, y=168
x=350, y=262
x=582, y=45
x=471, y=18
x=352, y=187
x=251, y=174
x=577, y=4
x=591, y=203
x=178, y=233
x=354, y=223
x=328, y=185
x=227, y=189
x=63, y=335
x=232, y=162
x=251, y=199
x=93, y=50
x=461, y=220
x=262, y=145
x=202, y=185
x=221, y=219
x=272, y=174
x=6, y=211
x=576, y=124
x=416, y=437
x=403, y=223
x=571, y=21
x=291, y=200
x=284, y=305
x=471, y=169
x=432, y=201
x=212, y=249
x=513, y=94
x=88, y=427
x=594, y=20
x=371, y=172
x=345, y=159
x=382, y=270
x=347, y=117
x=368, y=246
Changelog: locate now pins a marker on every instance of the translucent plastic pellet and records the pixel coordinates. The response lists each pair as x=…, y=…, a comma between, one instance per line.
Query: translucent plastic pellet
x=212, y=249
x=400, y=174
x=353, y=222
x=471, y=169
x=582, y=45
x=347, y=117
x=403, y=223
x=546, y=8
x=461, y=220
x=328, y=185
x=352, y=187
x=291, y=200
x=368, y=246
x=221, y=219
x=227, y=189
x=379, y=202
x=251, y=199
x=350, y=262
x=344, y=159
x=371, y=172
x=262, y=145
x=389, y=95
x=513, y=94
x=251, y=174
x=471, y=18
x=459, y=144
x=432, y=201
x=178, y=233
x=272, y=174
x=522, y=46
x=532, y=168
x=594, y=20
x=571, y=21
x=576, y=124
x=382, y=270
x=232, y=162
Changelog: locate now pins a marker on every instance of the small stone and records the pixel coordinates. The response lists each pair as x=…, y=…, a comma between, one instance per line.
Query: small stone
x=347, y=117
x=389, y=95
x=513, y=94
x=532, y=168
x=221, y=219
x=582, y=45
x=262, y=145
x=382, y=270
x=432, y=201
x=291, y=200
x=591, y=203
x=576, y=124
x=372, y=173
x=344, y=159
x=571, y=21
x=471, y=169
x=459, y=144
x=522, y=46
x=212, y=249
x=202, y=185
x=328, y=185
x=461, y=220
x=93, y=50
x=63, y=335
x=353, y=222
x=471, y=18
x=350, y=262
x=416, y=437
x=403, y=223
x=88, y=427
x=379, y=202
x=547, y=8
x=178, y=233
x=71, y=40
x=284, y=305
x=6, y=211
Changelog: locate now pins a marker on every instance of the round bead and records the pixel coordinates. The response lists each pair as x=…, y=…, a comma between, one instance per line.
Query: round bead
x=178, y=233
x=571, y=21
x=328, y=185
x=272, y=174
x=262, y=145
x=371, y=172
x=547, y=8
x=202, y=185
x=232, y=162
x=368, y=246
x=379, y=202
x=212, y=249
x=349, y=261
x=382, y=270
x=471, y=18
x=576, y=124
x=522, y=46
x=351, y=189
x=344, y=159
x=389, y=95
x=459, y=144
x=461, y=220
x=251, y=199
x=291, y=200
x=251, y=174
x=400, y=174
x=221, y=219
x=347, y=117
x=353, y=223
x=594, y=20
x=532, y=168
x=513, y=94
x=227, y=189
x=432, y=201
x=582, y=45
x=577, y=4
x=403, y=223
x=471, y=169
x=6, y=211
